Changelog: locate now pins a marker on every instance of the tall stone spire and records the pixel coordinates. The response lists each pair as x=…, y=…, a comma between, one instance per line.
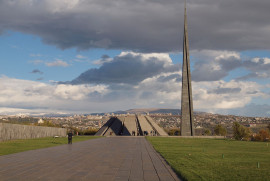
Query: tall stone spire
x=187, y=125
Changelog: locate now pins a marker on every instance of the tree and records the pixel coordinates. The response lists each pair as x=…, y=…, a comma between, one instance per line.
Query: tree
x=207, y=132
x=220, y=130
x=268, y=126
x=241, y=132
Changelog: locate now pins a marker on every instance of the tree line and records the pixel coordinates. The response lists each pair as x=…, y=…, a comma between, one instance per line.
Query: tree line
x=240, y=132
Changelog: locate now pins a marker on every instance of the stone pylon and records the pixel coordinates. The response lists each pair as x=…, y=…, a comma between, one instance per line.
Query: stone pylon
x=187, y=125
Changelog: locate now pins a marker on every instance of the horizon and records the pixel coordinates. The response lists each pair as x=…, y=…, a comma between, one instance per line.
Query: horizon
x=76, y=57
x=62, y=114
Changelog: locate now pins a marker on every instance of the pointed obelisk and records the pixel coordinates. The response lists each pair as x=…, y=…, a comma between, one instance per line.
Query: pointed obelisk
x=187, y=125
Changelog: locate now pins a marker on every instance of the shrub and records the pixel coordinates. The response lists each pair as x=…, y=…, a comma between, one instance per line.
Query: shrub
x=173, y=131
x=47, y=124
x=90, y=131
x=263, y=135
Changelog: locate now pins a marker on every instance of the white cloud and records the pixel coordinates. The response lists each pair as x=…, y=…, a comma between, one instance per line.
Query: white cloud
x=256, y=60
x=161, y=91
x=136, y=80
x=36, y=62
x=102, y=61
x=57, y=63
x=226, y=55
x=78, y=92
x=80, y=57
x=207, y=96
x=32, y=96
x=164, y=57
x=266, y=60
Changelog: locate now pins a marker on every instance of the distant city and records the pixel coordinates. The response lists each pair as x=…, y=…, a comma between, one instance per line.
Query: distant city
x=169, y=119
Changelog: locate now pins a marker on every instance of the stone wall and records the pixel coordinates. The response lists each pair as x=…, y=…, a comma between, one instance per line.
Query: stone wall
x=17, y=131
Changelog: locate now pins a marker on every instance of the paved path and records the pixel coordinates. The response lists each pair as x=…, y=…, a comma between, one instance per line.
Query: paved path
x=111, y=158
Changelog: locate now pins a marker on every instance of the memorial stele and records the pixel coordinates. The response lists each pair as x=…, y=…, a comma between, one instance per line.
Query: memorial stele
x=187, y=125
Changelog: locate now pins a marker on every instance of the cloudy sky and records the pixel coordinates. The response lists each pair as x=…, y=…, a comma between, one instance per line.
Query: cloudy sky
x=84, y=56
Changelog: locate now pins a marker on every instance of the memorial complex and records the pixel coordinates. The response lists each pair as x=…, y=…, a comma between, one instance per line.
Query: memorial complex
x=133, y=125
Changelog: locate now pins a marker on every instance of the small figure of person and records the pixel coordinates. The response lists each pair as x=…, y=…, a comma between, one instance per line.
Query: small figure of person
x=70, y=138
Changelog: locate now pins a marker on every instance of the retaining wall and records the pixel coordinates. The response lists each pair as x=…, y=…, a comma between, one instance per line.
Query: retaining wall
x=213, y=137
x=17, y=131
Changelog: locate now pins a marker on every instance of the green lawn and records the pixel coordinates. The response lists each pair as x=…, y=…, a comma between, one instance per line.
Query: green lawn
x=15, y=146
x=201, y=159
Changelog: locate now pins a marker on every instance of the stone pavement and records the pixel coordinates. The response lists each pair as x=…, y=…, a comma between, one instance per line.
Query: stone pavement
x=111, y=158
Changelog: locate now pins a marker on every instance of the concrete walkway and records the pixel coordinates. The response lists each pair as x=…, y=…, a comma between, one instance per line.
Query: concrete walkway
x=111, y=158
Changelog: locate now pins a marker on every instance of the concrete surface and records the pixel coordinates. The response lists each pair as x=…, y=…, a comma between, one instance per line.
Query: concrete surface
x=156, y=127
x=126, y=125
x=145, y=126
x=103, y=159
x=187, y=125
x=129, y=125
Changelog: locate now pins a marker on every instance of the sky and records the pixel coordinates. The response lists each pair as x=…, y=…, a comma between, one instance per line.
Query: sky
x=91, y=56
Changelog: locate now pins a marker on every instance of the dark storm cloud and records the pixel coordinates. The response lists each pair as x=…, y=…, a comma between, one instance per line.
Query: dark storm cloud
x=230, y=63
x=36, y=71
x=257, y=66
x=225, y=91
x=147, y=26
x=204, y=72
x=213, y=70
x=253, y=92
x=102, y=60
x=217, y=69
x=259, y=69
x=129, y=68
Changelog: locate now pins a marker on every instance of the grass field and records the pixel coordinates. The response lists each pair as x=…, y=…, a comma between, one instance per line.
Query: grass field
x=15, y=146
x=202, y=159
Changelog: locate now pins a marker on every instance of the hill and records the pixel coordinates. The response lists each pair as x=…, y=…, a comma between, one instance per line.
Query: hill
x=153, y=111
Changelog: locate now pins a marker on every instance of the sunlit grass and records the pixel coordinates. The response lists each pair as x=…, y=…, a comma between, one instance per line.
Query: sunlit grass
x=15, y=146
x=213, y=159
